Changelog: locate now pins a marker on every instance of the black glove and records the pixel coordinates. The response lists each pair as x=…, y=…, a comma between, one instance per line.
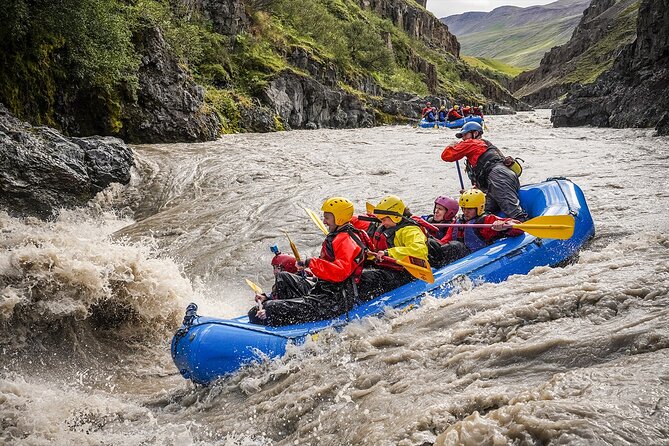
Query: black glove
x=304, y=263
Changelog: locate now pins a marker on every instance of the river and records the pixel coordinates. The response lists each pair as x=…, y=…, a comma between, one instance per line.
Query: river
x=573, y=355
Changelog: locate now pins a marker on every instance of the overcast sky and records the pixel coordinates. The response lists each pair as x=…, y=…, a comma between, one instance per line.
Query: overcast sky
x=443, y=8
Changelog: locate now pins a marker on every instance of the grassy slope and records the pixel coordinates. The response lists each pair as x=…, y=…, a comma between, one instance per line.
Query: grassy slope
x=46, y=49
x=493, y=65
x=587, y=66
x=521, y=46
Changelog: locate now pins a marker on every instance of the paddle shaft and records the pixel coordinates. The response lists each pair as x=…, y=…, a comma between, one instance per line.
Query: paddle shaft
x=489, y=225
x=545, y=226
x=462, y=183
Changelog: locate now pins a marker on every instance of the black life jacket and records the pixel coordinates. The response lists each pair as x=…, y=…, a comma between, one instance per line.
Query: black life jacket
x=327, y=250
x=488, y=159
x=384, y=238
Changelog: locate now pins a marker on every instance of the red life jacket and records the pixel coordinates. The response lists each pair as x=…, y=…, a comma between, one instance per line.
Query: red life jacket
x=358, y=236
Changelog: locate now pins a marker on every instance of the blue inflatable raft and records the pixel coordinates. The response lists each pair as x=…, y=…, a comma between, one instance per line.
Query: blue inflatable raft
x=450, y=125
x=206, y=348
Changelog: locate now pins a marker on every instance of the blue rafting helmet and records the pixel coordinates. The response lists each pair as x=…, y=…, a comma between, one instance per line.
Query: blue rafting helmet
x=470, y=127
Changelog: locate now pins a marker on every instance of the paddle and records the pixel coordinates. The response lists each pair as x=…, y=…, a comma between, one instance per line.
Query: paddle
x=317, y=220
x=369, y=208
x=293, y=247
x=427, y=225
x=559, y=227
x=418, y=268
x=256, y=289
x=462, y=183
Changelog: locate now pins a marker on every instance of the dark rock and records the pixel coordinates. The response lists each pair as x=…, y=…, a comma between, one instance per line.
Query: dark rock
x=662, y=127
x=416, y=22
x=259, y=118
x=42, y=171
x=228, y=17
x=299, y=100
x=633, y=93
x=169, y=106
x=544, y=85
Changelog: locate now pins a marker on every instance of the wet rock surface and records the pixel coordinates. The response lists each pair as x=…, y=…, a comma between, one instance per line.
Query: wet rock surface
x=41, y=170
x=633, y=93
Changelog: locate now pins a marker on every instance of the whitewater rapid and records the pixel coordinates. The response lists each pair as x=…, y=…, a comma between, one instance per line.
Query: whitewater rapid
x=574, y=355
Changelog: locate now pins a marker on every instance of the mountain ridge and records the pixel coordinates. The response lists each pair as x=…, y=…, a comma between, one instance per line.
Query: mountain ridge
x=503, y=33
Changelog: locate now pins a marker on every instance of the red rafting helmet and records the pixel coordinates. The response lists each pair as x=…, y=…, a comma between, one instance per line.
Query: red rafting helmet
x=284, y=262
x=451, y=205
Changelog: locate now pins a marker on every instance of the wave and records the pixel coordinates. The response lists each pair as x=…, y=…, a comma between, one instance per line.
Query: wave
x=66, y=283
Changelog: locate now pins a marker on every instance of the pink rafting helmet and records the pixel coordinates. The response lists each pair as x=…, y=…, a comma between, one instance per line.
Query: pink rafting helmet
x=450, y=204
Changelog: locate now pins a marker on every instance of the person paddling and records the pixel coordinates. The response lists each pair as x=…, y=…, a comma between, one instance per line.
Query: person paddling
x=337, y=269
x=473, y=202
x=445, y=210
x=487, y=168
x=398, y=237
x=287, y=282
x=453, y=114
x=442, y=114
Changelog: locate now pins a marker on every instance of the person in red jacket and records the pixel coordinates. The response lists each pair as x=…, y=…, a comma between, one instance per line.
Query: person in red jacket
x=428, y=108
x=466, y=111
x=453, y=114
x=478, y=111
x=487, y=169
x=337, y=269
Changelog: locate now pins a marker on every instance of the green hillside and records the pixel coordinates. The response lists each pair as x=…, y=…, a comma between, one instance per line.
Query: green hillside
x=520, y=46
x=516, y=36
x=87, y=45
x=496, y=66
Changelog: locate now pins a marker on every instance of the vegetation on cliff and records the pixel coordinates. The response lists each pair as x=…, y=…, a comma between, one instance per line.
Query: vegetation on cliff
x=606, y=28
x=53, y=51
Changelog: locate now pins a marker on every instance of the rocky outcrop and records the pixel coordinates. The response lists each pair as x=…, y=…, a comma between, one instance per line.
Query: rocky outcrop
x=42, y=171
x=228, y=17
x=605, y=28
x=416, y=22
x=301, y=102
x=633, y=93
x=169, y=106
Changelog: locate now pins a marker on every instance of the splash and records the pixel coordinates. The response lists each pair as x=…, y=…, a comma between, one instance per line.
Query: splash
x=67, y=283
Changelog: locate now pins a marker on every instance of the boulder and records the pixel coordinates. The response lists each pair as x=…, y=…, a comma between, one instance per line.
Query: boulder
x=42, y=171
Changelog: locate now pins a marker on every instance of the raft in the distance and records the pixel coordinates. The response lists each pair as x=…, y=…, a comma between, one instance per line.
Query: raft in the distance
x=449, y=124
x=206, y=348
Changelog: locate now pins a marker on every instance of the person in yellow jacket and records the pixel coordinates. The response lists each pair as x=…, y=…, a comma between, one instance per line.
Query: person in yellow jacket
x=398, y=237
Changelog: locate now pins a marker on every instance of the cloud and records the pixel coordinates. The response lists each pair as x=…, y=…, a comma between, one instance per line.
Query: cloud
x=443, y=8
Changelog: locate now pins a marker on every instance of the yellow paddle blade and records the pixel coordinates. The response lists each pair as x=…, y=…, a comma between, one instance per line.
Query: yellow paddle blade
x=369, y=208
x=559, y=227
x=418, y=268
x=317, y=220
x=256, y=288
x=293, y=247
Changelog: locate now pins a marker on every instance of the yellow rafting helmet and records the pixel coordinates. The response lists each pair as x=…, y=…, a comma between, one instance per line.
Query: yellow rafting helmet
x=391, y=206
x=341, y=208
x=473, y=198
x=455, y=107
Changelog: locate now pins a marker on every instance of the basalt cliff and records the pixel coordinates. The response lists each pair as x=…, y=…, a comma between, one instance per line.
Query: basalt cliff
x=188, y=70
x=605, y=28
x=633, y=93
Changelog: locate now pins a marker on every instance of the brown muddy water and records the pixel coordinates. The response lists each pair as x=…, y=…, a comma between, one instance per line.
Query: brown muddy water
x=575, y=355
